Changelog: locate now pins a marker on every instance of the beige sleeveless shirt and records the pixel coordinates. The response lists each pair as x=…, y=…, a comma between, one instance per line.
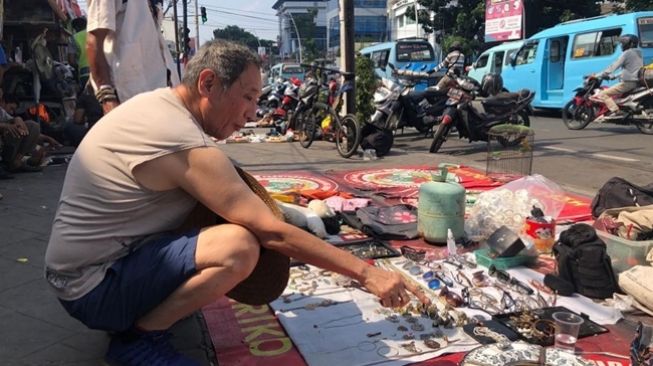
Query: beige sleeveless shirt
x=103, y=211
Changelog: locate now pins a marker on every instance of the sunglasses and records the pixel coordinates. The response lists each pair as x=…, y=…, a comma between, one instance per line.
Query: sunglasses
x=504, y=277
x=640, y=352
x=452, y=298
x=413, y=254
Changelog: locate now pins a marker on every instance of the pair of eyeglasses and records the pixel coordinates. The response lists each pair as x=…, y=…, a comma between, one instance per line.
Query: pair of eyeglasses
x=461, y=278
x=431, y=280
x=504, y=277
x=476, y=299
x=452, y=298
x=413, y=254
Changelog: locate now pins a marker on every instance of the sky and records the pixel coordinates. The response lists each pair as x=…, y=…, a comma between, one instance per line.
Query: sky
x=255, y=16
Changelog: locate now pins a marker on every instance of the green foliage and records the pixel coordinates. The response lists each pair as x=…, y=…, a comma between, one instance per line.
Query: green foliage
x=639, y=5
x=468, y=26
x=236, y=34
x=542, y=14
x=365, y=86
x=306, y=27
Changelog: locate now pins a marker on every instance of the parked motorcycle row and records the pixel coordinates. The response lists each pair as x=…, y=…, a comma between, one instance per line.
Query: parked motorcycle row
x=473, y=109
x=310, y=108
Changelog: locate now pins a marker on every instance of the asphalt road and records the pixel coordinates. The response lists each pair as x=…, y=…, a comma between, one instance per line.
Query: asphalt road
x=579, y=160
x=582, y=160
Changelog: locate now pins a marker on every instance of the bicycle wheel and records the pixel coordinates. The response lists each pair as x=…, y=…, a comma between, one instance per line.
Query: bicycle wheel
x=347, y=134
x=306, y=127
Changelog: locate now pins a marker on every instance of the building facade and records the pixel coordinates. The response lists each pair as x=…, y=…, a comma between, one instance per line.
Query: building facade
x=403, y=26
x=370, y=24
x=292, y=14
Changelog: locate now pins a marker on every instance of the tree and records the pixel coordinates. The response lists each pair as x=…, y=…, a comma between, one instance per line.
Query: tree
x=453, y=18
x=468, y=26
x=237, y=34
x=305, y=23
x=639, y=5
x=542, y=14
x=365, y=84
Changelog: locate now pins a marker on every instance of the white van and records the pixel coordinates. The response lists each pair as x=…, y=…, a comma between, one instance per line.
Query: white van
x=493, y=60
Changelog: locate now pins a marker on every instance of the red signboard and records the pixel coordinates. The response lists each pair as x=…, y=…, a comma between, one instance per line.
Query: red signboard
x=503, y=20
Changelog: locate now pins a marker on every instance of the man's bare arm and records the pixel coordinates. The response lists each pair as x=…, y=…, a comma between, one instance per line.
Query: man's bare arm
x=209, y=176
x=100, y=69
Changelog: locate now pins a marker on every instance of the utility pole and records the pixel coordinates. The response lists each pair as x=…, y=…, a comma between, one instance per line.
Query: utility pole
x=416, y=21
x=197, y=28
x=184, y=14
x=176, y=25
x=347, y=60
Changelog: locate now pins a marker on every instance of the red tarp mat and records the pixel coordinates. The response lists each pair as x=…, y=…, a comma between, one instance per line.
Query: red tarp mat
x=245, y=335
x=400, y=185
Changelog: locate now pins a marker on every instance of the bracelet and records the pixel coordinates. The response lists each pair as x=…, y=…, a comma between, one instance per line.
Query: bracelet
x=106, y=93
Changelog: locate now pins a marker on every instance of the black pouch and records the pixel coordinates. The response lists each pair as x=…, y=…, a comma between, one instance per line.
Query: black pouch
x=583, y=264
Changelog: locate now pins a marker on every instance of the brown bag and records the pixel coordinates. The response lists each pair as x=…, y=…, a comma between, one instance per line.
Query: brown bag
x=270, y=276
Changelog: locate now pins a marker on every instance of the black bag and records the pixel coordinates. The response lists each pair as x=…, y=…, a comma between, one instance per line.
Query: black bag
x=618, y=192
x=398, y=222
x=583, y=264
x=380, y=140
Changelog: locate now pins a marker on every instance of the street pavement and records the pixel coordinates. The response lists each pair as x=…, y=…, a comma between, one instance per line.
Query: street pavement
x=35, y=330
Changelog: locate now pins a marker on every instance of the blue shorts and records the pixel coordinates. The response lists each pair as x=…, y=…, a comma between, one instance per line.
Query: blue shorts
x=135, y=284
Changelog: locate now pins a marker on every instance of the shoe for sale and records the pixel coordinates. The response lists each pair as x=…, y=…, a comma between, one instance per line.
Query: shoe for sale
x=144, y=349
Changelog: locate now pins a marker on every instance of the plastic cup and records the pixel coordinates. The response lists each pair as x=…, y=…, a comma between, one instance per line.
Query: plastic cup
x=566, y=333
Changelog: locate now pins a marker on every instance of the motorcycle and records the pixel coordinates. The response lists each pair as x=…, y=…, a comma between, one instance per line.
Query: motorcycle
x=474, y=117
x=399, y=105
x=636, y=107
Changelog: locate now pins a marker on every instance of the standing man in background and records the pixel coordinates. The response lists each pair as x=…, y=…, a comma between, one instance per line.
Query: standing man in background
x=83, y=69
x=126, y=51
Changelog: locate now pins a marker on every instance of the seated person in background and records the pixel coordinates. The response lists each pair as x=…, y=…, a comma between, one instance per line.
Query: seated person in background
x=87, y=111
x=19, y=138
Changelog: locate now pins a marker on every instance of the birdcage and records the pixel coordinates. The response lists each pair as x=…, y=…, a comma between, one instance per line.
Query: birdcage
x=509, y=151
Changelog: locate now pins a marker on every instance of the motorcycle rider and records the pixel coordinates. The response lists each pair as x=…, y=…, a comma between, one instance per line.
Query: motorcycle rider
x=630, y=61
x=454, y=62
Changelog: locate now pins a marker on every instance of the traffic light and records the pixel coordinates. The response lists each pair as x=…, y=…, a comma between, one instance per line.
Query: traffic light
x=203, y=13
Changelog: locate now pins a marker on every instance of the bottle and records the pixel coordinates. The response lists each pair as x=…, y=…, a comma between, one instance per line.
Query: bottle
x=451, y=244
x=18, y=55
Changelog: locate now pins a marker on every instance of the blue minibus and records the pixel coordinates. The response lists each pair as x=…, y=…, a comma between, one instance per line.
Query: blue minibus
x=411, y=53
x=553, y=62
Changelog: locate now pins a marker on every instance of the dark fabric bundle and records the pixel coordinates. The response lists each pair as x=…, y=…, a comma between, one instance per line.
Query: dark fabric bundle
x=583, y=264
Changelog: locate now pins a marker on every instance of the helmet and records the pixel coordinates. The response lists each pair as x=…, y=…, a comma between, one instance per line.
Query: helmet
x=455, y=46
x=492, y=84
x=628, y=41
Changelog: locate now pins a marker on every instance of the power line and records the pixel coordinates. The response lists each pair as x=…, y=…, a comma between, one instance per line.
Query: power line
x=245, y=11
x=242, y=15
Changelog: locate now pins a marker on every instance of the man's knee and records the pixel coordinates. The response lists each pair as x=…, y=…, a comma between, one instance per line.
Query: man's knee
x=230, y=246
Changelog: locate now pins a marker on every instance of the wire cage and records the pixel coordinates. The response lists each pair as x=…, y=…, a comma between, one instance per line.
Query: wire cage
x=509, y=152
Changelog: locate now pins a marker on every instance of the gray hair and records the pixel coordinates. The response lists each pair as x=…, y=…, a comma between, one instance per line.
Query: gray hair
x=227, y=59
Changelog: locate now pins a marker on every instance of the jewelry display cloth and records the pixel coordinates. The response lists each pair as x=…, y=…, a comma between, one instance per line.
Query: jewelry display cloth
x=596, y=312
x=600, y=314
x=354, y=330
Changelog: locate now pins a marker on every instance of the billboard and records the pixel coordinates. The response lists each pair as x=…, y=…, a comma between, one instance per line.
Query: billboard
x=503, y=20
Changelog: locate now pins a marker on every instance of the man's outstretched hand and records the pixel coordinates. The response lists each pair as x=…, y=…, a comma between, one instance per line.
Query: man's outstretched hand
x=391, y=287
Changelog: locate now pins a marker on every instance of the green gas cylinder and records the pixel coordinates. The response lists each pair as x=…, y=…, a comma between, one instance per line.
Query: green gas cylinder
x=441, y=206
